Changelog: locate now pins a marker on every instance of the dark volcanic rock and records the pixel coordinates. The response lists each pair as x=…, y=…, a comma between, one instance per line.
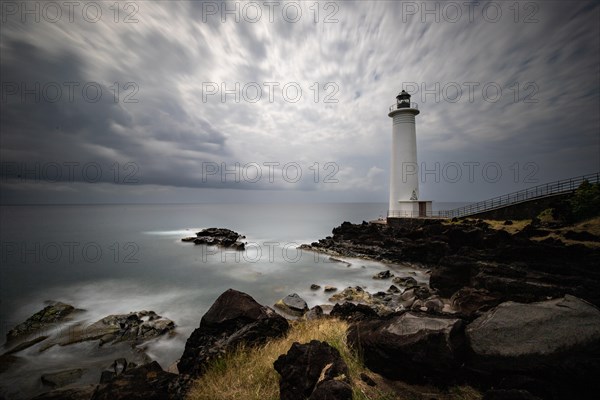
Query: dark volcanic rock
x=411, y=347
x=233, y=319
x=468, y=300
x=353, y=312
x=453, y=273
x=472, y=254
x=218, y=237
x=292, y=304
x=314, y=371
x=51, y=314
x=146, y=382
x=557, y=341
x=314, y=313
x=383, y=275
x=134, y=327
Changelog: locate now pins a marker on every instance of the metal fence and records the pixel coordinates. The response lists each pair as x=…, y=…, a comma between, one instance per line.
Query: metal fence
x=546, y=189
x=535, y=192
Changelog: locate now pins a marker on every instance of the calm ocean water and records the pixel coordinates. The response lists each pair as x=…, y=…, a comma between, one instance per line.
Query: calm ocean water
x=109, y=259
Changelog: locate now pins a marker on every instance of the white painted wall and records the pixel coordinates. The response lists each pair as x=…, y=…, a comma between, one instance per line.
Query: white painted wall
x=404, y=176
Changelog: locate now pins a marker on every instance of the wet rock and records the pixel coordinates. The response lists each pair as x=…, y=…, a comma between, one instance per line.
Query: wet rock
x=314, y=371
x=383, y=275
x=314, y=313
x=314, y=286
x=52, y=314
x=218, y=237
x=406, y=281
x=356, y=294
x=148, y=382
x=393, y=289
x=234, y=318
x=26, y=344
x=337, y=260
x=134, y=327
x=433, y=304
x=431, y=349
x=292, y=304
x=188, y=239
x=62, y=378
x=329, y=288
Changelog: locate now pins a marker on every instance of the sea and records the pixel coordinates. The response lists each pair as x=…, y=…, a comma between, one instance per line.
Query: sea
x=120, y=258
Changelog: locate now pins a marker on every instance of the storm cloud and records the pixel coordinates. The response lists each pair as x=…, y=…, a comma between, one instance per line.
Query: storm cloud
x=214, y=101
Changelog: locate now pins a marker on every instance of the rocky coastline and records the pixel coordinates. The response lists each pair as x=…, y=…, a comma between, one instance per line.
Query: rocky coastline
x=511, y=312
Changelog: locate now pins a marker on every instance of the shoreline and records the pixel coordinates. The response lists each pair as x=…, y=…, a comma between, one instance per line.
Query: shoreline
x=461, y=286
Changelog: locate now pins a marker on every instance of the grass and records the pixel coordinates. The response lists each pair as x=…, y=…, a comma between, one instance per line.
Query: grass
x=248, y=373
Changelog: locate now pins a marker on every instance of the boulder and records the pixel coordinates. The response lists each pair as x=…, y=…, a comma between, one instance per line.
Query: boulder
x=393, y=289
x=314, y=313
x=146, y=382
x=314, y=371
x=314, y=286
x=406, y=281
x=383, y=275
x=329, y=288
x=235, y=318
x=557, y=341
x=218, y=237
x=62, y=378
x=54, y=313
x=356, y=294
x=412, y=347
x=293, y=305
x=353, y=312
x=135, y=327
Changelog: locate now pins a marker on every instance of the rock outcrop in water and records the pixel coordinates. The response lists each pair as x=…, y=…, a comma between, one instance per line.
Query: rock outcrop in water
x=218, y=237
x=52, y=314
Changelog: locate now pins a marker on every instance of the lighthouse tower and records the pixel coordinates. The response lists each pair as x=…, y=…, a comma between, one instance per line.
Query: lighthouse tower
x=404, y=174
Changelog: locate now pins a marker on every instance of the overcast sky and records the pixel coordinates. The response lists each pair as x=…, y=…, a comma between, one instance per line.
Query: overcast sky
x=191, y=101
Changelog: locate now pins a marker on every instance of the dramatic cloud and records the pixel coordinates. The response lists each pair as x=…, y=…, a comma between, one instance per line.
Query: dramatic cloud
x=254, y=101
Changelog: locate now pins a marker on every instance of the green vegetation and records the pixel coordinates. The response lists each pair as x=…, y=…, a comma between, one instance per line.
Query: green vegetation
x=585, y=203
x=248, y=373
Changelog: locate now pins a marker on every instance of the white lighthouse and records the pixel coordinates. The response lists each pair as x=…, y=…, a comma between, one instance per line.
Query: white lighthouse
x=404, y=173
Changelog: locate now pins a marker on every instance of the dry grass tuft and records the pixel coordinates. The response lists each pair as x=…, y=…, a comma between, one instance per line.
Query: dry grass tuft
x=248, y=373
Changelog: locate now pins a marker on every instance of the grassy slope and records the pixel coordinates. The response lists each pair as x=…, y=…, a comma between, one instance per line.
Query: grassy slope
x=249, y=374
x=591, y=225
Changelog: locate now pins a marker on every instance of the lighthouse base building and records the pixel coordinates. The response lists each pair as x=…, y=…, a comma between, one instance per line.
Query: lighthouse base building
x=404, y=199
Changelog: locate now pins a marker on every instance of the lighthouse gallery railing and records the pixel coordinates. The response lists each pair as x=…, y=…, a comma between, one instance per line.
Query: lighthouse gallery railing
x=395, y=106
